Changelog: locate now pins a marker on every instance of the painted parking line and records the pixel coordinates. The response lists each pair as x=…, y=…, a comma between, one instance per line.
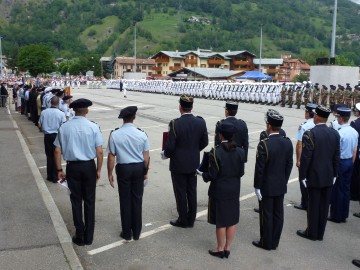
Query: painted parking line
x=162, y=228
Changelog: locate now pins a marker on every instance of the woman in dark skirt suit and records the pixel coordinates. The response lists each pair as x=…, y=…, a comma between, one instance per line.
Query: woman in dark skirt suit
x=226, y=166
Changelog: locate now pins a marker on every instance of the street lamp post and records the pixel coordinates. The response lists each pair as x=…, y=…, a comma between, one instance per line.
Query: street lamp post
x=333, y=34
x=1, y=61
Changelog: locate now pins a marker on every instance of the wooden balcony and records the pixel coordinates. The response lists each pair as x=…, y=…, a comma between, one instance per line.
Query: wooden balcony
x=174, y=68
x=156, y=75
x=241, y=62
x=162, y=60
x=156, y=68
x=215, y=61
x=190, y=61
x=273, y=70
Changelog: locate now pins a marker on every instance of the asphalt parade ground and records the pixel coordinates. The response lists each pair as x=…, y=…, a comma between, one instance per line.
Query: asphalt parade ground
x=36, y=219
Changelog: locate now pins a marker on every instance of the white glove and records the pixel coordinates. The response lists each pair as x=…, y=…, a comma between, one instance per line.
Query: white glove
x=146, y=181
x=163, y=157
x=334, y=181
x=198, y=172
x=258, y=194
x=304, y=182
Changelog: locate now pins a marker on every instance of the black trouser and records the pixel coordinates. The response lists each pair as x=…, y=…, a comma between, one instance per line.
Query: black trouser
x=317, y=213
x=50, y=160
x=130, y=178
x=304, y=196
x=185, y=194
x=271, y=211
x=355, y=181
x=81, y=177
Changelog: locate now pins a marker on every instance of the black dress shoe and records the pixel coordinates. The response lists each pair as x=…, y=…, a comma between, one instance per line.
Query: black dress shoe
x=177, y=223
x=356, y=215
x=126, y=238
x=300, y=207
x=226, y=253
x=333, y=220
x=256, y=210
x=219, y=254
x=259, y=245
x=304, y=235
x=78, y=241
x=356, y=263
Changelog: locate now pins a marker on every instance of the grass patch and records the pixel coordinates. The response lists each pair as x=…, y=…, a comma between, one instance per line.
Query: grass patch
x=99, y=32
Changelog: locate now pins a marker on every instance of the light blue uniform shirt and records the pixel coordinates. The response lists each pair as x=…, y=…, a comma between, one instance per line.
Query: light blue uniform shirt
x=128, y=144
x=304, y=127
x=348, y=141
x=78, y=139
x=51, y=119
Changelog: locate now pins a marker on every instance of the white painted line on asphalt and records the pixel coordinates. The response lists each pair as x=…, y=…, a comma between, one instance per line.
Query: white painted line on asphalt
x=33, y=137
x=56, y=218
x=163, y=228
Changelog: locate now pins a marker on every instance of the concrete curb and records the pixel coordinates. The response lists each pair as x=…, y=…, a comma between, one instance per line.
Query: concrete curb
x=59, y=224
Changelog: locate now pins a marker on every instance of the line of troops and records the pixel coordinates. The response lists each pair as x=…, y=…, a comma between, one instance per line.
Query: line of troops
x=321, y=160
x=290, y=94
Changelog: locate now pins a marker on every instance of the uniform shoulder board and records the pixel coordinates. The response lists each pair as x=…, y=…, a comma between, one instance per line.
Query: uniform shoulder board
x=265, y=139
x=198, y=116
x=141, y=130
x=116, y=128
x=287, y=138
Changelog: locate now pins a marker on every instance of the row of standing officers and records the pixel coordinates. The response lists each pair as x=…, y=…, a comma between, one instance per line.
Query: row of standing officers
x=79, y=141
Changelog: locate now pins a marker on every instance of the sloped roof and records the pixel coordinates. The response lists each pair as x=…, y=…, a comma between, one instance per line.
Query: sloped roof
x=172, y=54
x=269, y=61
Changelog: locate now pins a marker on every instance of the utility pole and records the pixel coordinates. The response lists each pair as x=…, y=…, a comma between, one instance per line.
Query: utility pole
x=260, y=47
x=333, y=34
x=1, y=61
x=135, y=48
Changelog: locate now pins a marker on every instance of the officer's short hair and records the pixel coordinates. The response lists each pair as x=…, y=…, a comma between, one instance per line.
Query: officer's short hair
x=232, y=112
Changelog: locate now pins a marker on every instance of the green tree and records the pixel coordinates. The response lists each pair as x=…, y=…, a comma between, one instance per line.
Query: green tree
x=344, y=61
x=75, y=68
x=35, y=58
x=300, y=78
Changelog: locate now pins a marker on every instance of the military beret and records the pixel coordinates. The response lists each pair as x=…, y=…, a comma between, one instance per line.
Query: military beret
x=128, y=112
x=324, y=86
x=322, y=111
x=309, y=107
x=67, y=97
x=341, y=87
x=80, y=103
x=227, y=128
x=333, y=87
x=230, y=105
x=348, y=87
x=186, y=101
x=357, y=87
x=343, y=111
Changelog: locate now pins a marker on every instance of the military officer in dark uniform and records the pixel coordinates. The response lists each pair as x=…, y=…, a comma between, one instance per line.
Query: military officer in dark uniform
x=265, y=135
x=187, y=137
x=226, y=167
x=274, y=161
x=80, y=141
x=355, y=178
x=130, y=146
x=318, y=170
x=241, y=137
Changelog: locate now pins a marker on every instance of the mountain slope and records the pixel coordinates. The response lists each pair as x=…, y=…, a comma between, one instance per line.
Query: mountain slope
x=72, y=28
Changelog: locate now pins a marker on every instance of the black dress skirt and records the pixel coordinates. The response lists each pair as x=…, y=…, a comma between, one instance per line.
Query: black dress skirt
x=223, y=213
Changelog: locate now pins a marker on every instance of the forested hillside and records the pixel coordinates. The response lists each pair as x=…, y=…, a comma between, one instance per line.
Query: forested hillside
x=105, y=27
